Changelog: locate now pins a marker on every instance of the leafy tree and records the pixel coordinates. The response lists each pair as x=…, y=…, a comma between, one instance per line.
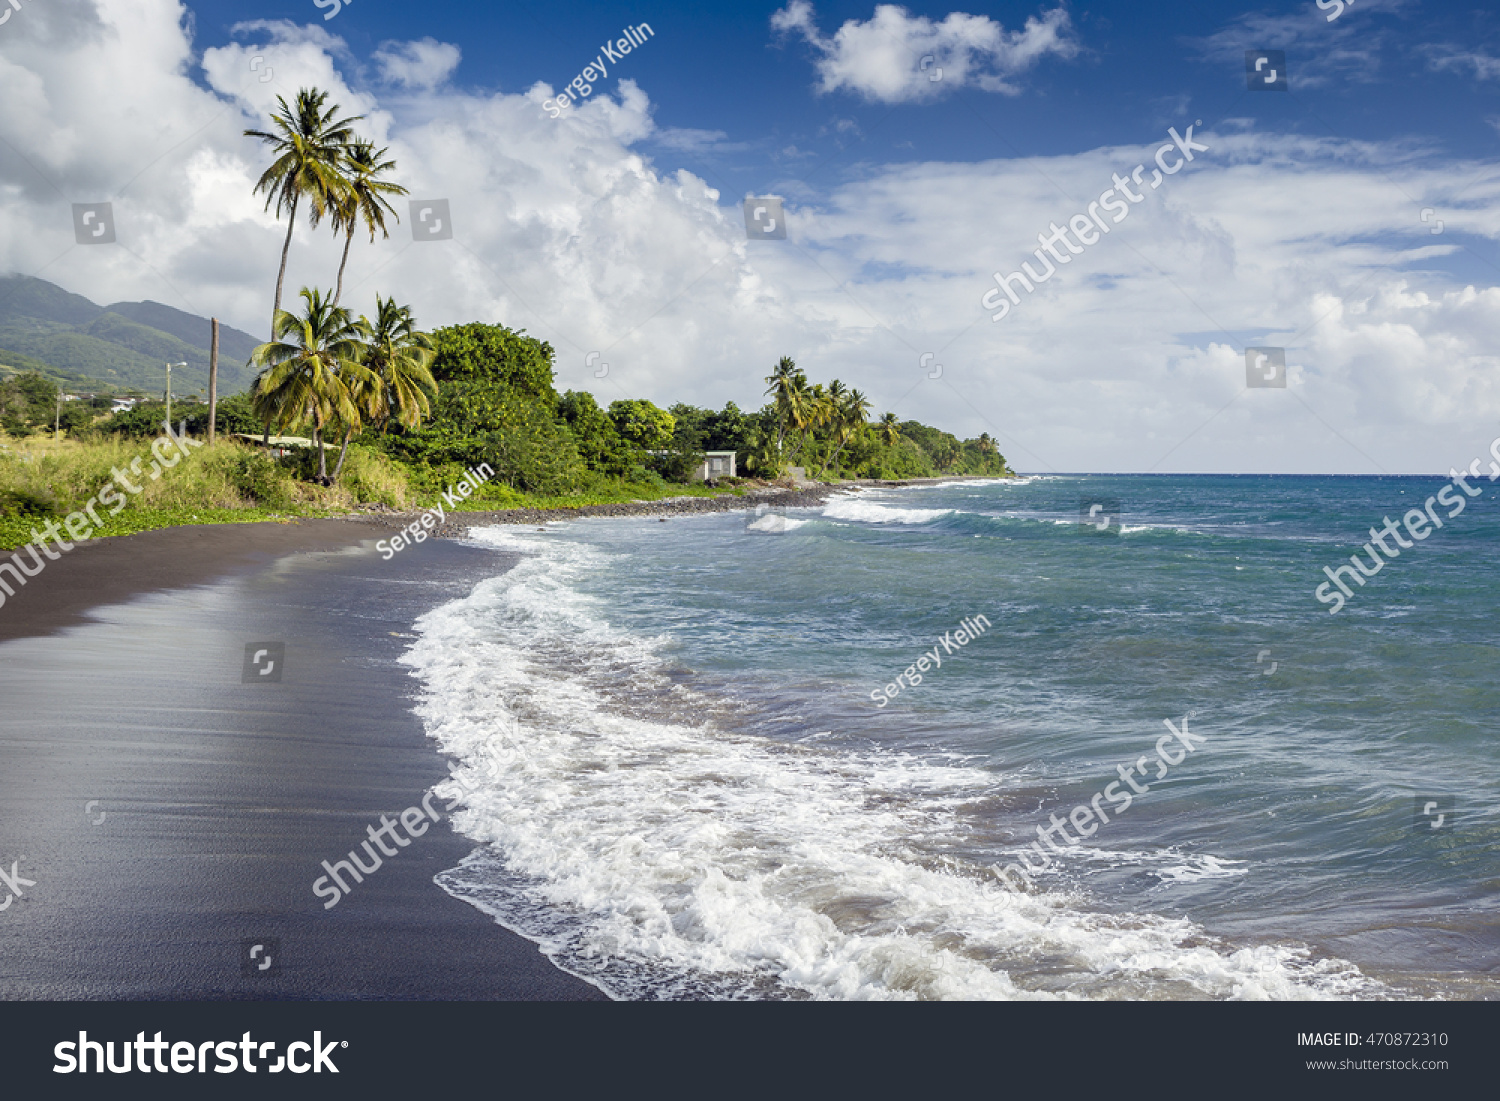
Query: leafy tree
x=981, y=456
x=727, y=430
x=598, y=441
x=941, y=447
x=309, y=144
x=236, y=416
x=684, y=451
x=642, y=423
x=75, y=415
x=496, y=404
x=475, y=352
x=28, y=400
x=143, y=419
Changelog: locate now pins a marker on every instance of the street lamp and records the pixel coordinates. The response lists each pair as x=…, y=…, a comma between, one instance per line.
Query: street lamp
x=169, y=388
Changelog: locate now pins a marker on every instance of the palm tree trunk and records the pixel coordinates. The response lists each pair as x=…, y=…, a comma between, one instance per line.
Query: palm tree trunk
x=835, y=455
x=339, y=290
x=322, y=454
x=286, y=246
x=343, y=454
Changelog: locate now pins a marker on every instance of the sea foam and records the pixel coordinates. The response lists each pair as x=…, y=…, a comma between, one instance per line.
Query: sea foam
x=653, y=848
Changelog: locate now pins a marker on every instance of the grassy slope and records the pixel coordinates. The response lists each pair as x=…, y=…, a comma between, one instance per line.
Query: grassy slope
x=204, y=489
x=15, y=532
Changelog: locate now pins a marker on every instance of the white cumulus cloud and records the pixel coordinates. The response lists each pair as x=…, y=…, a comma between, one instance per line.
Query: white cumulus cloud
x=425, y=63
x=1130, y=358
x=896, y=57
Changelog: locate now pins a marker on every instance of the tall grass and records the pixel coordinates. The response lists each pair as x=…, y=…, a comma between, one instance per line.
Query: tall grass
x=233, y=482
x=58, y=480
x=224, y=483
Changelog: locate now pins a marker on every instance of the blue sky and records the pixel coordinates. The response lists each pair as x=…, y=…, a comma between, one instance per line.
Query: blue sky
x=617, y=229
x=722, y=68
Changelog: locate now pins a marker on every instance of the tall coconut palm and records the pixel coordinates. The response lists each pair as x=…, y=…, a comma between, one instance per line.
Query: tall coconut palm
x=890, y=429
x=807, y=408
x=785, y=379
x=363, y=199
x=309, y=143
x=851, y=414
x=836, y=393
x=399, y=360
x=311, y=371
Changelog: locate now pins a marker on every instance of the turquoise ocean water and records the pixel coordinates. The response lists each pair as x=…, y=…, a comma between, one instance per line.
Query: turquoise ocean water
x=682, y=786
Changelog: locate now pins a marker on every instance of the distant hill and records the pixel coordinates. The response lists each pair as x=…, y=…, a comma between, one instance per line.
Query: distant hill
x=120, y=347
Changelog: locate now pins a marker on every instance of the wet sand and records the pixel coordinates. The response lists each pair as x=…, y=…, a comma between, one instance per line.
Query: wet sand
x=168, y=815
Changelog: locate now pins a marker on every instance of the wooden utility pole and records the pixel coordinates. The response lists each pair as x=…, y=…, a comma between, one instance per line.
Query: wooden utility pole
x=213, y=380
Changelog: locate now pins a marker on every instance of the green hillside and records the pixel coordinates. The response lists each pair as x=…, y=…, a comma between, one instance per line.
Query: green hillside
x=125, y=347
x=14, y=363
x=234, y=346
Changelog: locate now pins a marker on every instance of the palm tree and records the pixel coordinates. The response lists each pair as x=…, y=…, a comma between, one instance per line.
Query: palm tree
x=851, y=414
x=311, y=371
x=783, y=382
x=309, y=144
x=890, y=429
x=399, y=361
x=836, y=392
x=364, y=198
x=807, y=406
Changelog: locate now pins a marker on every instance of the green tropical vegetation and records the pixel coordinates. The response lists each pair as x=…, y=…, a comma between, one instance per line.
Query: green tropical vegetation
x=408, y=412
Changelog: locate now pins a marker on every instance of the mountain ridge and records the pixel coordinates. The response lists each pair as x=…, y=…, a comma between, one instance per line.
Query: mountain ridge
x=122, y=346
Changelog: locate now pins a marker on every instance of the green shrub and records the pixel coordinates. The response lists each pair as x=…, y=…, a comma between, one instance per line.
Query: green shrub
x=261, y=478
x=371, y=477
x=19, y=502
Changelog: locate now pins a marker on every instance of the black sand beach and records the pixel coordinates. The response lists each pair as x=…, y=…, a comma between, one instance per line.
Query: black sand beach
x=215, y=800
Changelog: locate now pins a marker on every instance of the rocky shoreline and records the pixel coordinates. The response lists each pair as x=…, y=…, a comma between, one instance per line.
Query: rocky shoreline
x=457, y=525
